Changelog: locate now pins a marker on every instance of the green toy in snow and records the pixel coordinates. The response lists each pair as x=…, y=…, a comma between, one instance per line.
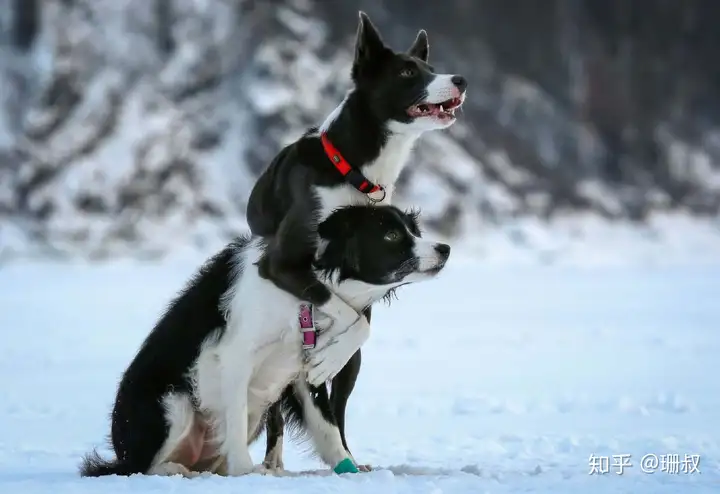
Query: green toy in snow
x=346, y=466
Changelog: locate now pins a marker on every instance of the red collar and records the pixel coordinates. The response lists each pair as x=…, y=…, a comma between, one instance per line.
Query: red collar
x=353, y=176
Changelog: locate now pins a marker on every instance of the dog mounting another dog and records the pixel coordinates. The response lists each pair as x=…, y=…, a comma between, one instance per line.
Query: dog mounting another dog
x=195, y=395
x=354, y=157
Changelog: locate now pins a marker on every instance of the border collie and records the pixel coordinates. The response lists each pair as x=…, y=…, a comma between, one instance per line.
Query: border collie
x=354, y=157
x=231, y=344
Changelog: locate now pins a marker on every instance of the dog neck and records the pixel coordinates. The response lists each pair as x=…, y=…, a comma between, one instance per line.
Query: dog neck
x=376, y=148
x=357, y=294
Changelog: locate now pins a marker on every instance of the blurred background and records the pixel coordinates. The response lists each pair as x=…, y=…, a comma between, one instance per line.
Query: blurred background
x=136, y=128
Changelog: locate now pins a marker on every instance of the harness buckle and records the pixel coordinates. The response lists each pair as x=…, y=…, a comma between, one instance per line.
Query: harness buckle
x=307, y=326
x=378, y=195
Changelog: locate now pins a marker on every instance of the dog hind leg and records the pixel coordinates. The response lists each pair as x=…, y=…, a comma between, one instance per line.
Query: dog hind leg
x=186, y=438
x=139, y=433
x=275, y=435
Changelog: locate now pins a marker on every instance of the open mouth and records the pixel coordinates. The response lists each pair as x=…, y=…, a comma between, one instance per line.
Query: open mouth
x=443, y=110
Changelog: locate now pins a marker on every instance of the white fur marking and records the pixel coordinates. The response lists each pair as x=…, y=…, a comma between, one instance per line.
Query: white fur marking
x=333, y=114
x=426, y=254
x=441, y=89
x=180, y=416
x=384, y=171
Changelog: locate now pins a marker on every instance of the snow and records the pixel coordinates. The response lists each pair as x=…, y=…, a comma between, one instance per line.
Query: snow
x=586, y=239
x=493, y=378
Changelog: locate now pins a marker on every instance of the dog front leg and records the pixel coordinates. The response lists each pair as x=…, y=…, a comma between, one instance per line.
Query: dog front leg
x=234, y=444
x=304, y=286
x=287, y=263
x=335, y=350
x=320, y=423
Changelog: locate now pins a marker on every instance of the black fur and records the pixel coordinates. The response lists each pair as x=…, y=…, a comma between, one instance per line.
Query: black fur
x=360, y=244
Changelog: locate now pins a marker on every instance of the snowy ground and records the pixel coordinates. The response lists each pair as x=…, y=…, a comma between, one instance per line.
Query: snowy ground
x=487, y=380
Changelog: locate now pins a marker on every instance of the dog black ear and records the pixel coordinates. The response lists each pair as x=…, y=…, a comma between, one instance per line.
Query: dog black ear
x=334, y=226
x=369, y=45
x=420, y=47
x=352, y=254
x=341, y=247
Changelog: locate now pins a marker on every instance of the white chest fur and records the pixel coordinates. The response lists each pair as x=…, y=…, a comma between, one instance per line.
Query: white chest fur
x=384, y=171
x=261, y=341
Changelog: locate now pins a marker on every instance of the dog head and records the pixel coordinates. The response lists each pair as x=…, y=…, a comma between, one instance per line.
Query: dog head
x=377, y=245
x=402, y=89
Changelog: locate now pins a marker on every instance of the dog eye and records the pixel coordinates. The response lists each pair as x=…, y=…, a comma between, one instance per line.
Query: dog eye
x=392, y=236
x=407, y=73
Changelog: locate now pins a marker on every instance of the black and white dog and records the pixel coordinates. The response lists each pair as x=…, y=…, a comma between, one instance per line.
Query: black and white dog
x=354, y=157
x=231, y=344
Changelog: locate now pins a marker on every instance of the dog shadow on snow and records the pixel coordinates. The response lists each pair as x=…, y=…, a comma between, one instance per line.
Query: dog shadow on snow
x=401, y=471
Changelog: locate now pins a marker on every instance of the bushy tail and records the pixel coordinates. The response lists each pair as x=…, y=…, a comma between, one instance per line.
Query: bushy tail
x=94, y=466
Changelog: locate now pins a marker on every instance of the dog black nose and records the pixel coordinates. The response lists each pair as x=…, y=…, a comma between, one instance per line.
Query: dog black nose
x=460, y=82
x=443, y=250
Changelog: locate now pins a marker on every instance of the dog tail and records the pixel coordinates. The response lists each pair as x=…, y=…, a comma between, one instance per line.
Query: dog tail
x=93, y=465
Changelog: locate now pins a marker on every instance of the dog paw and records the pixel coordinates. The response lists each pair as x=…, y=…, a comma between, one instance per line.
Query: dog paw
x=324, y=342
x=248, y=470
x=240, y=467
x=322, y=365
x=273, y=464
x=362, y=468
x=261, y=469
x=323, y=322
x=321, y=373
x=330, y=356
x=170, y=469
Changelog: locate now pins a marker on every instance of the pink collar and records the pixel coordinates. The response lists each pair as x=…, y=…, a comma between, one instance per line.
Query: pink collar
x=307, y=326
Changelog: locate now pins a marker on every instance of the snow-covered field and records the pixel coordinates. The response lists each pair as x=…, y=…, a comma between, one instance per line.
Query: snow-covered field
x=488, y=380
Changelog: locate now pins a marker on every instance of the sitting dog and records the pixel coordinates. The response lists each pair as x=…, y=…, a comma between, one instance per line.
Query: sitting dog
x=232, y=343
x=354, y=157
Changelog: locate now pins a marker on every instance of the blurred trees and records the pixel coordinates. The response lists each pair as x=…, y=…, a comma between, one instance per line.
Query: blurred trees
x=610, y=106
x=638, y=75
